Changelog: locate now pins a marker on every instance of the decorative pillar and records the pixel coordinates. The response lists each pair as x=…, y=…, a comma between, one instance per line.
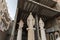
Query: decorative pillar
x=19, y=35
x=31, y=23
x=41, y=25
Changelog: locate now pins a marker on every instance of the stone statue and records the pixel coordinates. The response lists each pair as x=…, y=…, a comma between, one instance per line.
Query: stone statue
x=19, y=35
x=41, y=25
x=30, y=23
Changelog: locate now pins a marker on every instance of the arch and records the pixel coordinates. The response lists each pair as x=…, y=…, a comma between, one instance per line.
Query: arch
x=56, y=35
x=51, y=36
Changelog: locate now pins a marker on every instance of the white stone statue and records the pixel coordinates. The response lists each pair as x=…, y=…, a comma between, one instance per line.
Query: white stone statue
x=41, y=25
x=19, y=35
x=30, y=20
x=30, y=23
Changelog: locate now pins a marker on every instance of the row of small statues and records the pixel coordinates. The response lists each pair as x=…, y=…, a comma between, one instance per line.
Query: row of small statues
x=31, y=23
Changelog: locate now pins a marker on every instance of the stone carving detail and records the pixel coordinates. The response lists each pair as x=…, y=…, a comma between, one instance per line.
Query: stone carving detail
x=4, y=25
x=56, y=35
x=19, y=35
x=30, y=23
x=41, y=25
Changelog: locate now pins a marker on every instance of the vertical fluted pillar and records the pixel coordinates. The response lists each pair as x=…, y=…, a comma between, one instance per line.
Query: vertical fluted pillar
x=19, y=35
x=41, y=25
x=30, y=23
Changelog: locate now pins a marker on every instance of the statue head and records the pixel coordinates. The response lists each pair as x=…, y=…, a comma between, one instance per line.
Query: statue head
x=30, y=20
x=21, y=23
x=41, y=23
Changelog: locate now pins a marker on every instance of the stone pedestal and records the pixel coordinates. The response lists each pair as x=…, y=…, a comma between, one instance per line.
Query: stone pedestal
x=31, y=33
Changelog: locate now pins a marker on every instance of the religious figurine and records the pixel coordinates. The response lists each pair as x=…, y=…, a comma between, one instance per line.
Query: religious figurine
x=19, y=36
x=31, y=23
x=41, y=25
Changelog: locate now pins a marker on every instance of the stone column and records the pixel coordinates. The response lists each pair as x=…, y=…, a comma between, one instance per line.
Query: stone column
x=0, y=19
x=30, y=23
x=19, y=35
x=41, y=25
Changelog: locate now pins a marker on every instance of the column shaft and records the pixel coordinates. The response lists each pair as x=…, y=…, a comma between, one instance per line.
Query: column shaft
x=43, y=36
x=19, y=36
x=31, y=35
